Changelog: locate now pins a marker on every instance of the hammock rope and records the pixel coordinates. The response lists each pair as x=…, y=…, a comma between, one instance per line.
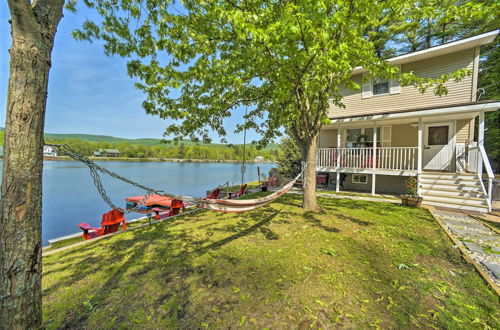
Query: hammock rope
x=222, y=205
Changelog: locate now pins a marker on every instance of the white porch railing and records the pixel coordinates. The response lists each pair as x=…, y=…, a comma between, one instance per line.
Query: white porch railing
x=387, y=158
x=477, y=159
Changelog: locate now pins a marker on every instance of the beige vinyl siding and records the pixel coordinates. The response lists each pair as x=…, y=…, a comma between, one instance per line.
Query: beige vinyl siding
x=464, y=131
x=409, y=97
x=327, y=138
x=404, y=136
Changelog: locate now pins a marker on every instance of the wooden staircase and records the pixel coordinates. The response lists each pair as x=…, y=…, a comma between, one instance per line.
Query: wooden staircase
x=453, y=190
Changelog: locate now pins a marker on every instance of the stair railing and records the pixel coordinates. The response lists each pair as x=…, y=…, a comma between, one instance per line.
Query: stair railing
x=486, y=162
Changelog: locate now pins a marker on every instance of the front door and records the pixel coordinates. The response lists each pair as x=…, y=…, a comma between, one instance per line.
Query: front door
x=438, y=146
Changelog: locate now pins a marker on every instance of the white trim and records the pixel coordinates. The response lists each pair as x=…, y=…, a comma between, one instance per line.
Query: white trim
x=475, y=75
x=423, y=113
x=479, y=40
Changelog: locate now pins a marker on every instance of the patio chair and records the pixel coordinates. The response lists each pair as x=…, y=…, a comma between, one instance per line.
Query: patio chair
x=236, y=194
x=215, y=194
x=175, y=207
x=322, y=180
x=110, y=223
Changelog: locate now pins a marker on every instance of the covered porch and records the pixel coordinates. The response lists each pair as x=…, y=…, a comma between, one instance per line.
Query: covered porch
x=404, y=144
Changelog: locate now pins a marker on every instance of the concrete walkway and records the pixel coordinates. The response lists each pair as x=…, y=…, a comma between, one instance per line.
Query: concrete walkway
x=481, y=242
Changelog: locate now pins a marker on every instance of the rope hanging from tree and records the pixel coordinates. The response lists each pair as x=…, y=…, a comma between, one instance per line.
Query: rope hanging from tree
x=221, y=205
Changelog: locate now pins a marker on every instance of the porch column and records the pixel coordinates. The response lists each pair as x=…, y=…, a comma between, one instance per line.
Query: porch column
x=480, y=142
x=374, y=158
x=419, y=150
x=337, y=185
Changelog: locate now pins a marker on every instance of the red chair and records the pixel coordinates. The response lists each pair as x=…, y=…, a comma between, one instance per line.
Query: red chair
x=110, y=223
x=175, y=206
x=236, y=194
x=215, y=194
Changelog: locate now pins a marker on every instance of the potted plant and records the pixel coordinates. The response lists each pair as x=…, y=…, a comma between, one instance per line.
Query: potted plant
x=411, y=199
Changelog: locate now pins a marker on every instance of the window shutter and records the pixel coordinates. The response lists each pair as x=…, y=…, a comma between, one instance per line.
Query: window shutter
x=394, y=85
x=367, y=87
x=386, y=136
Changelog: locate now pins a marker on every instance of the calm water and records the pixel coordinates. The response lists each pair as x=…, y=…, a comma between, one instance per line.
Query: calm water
x=70, y=197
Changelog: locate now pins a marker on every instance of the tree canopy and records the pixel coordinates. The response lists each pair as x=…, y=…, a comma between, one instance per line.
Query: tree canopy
x=198, y=61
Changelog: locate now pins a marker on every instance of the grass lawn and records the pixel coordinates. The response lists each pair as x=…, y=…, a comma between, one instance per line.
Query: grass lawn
x=356, y=265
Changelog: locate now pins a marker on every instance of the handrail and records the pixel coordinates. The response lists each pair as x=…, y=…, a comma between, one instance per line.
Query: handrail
x=489, y=171
x=486, y=163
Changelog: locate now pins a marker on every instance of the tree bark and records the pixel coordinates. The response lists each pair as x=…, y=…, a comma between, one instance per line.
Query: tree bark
x=33, y=30
x=309, y=200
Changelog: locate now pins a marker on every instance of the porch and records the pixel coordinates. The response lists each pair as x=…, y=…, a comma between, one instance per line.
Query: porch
x=438, y=146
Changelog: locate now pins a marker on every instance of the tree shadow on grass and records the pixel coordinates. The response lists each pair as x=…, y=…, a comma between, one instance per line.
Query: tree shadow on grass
x=311, y=218
x=241, y=233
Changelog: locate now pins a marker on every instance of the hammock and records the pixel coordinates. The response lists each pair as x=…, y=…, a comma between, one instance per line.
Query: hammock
x=243, y=205
x=222, y=205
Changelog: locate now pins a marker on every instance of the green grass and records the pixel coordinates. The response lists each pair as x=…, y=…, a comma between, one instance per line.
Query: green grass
x=357, y=194
x=356, y=264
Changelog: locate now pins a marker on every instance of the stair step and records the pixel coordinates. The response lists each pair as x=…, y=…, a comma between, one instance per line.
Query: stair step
x=481, y=202
x=448, y=174
x=452, y=192
x=451, y=181
x=449, y=177
x=457, y=206
x=454, y=187
x=457, y=198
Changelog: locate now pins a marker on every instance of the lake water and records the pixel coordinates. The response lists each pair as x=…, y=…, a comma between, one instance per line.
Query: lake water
x=70, y=197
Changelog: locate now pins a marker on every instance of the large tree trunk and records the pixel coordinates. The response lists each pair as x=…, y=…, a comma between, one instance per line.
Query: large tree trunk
x=309, y=200
x=33, y=30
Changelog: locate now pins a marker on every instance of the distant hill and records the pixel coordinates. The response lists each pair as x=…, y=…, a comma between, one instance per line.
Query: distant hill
x=112, y=139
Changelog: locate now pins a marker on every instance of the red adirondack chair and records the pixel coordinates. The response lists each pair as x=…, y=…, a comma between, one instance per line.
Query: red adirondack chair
x=215, y=194
x=175, y=206
x=110, y=223
x=236, y=194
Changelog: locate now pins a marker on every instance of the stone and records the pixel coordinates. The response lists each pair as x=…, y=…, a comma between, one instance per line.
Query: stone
x=492, y=267
x=473, y=247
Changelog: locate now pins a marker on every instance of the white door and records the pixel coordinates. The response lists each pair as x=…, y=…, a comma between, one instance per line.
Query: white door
x=438, y=146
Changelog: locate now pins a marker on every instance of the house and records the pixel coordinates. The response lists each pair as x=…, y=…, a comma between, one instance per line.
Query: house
x=259, y=159
x=49, y=151
x=387, y=132
x=106, y=153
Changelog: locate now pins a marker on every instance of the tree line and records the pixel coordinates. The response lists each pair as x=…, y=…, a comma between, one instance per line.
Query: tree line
x=179, y=151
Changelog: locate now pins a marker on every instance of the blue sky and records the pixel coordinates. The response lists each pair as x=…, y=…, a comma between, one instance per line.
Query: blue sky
x=90, y=93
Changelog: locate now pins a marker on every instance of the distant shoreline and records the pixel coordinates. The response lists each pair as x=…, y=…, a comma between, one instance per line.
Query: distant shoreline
x=170, y=160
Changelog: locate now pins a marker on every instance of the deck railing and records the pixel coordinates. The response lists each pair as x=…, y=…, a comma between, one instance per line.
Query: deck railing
x=387, y=158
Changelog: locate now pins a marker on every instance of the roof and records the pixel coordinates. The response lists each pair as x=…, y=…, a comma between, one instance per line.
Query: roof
x=447, y=48
x=111, y=151
x=487, y=105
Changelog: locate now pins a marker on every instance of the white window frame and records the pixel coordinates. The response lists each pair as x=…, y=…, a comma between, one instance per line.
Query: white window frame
x=367, y=87
x=363, y=132
x=357, y=176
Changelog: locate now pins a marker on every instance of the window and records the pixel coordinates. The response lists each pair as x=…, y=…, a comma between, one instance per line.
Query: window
x=438, y=135
x=361, y=137
x=353, y=137
x=380, y=86
x=369, y=137
x=360, y=178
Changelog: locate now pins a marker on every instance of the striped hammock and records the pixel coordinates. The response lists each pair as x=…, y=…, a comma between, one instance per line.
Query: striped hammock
x=243, y=205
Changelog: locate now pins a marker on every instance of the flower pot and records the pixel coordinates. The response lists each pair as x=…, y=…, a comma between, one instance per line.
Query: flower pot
x=413, y=201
